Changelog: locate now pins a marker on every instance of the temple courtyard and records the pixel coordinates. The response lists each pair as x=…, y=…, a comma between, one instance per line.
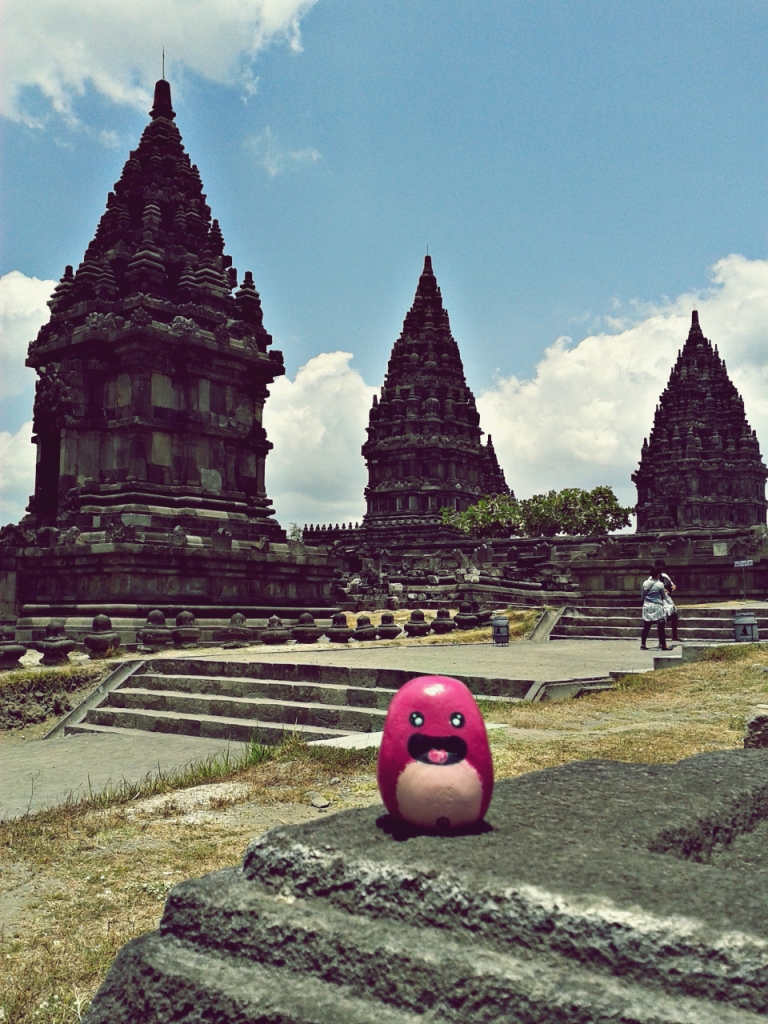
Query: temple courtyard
x=41, y=773
x=77, y=881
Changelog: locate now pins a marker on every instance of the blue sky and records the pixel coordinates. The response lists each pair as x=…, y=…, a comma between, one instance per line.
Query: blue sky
x=573, y=167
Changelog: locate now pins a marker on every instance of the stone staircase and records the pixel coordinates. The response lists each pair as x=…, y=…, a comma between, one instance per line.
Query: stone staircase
x=220, y=700
x=262, y=701
x=616, y=622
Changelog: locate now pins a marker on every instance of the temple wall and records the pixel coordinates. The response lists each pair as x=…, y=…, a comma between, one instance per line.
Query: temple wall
x=109, y=576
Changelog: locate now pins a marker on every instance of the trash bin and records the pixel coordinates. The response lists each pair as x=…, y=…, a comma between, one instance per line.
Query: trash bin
x=500, y=630
x=745, y=628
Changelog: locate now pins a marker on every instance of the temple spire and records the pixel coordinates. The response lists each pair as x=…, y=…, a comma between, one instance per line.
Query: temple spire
x=424, y=450
x=717, y=477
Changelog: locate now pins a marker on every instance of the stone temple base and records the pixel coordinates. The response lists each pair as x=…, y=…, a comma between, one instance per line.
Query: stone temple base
x=130, y=579
x=600, y=892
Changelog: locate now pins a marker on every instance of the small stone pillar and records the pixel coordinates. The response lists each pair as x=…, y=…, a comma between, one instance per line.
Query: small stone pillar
x=10, y=652
x=187, y=631
x=339, y=632
x=465, y=618
x=57, y=646
x=417, y=625
x=364, y=630
x=388, y=629
x=443, y=623
x=275, y=633
x=102, y=641
x=155, y=633
x=237, y=631
x=305, y=631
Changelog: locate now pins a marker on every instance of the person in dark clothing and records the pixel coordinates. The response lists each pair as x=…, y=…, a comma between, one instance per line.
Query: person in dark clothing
x=669, y=604
x=654, y=594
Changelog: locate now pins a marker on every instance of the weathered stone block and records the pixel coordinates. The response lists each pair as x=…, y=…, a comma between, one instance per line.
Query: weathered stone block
x=756, y=734
x=597, y=892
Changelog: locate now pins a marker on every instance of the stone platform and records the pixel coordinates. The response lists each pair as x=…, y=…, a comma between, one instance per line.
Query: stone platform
x=599, y=891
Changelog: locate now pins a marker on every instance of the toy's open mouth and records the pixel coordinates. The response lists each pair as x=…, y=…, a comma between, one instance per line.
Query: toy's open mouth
x=438, y=750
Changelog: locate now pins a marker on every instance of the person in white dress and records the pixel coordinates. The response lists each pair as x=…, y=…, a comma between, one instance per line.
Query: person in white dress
x=669, y=586
x=654, y=609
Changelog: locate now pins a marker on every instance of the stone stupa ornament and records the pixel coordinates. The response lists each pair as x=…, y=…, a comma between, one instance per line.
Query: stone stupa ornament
x=424, y=450
x=701, y=465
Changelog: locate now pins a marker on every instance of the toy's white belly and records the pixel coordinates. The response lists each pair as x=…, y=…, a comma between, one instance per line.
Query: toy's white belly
x=439, y=796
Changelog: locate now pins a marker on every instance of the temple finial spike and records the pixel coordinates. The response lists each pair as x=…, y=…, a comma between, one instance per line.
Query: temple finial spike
x=163, y=74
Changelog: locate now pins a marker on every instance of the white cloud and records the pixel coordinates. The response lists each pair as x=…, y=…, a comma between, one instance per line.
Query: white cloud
x=114, y=47
x=273, y=159
x=17, y=472
x=22, y=312
x=582, y=419
x=110, y=140
x=317, y=423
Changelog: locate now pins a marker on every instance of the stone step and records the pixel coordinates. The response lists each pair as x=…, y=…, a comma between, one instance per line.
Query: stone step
x=278, y=689
x=711, y=622
x=220, y=727
x=237, y=700
x=630, y=632
x=208, y=705
x=355, y=676
x=614, y=622
x=166, y=980
x=268, y=946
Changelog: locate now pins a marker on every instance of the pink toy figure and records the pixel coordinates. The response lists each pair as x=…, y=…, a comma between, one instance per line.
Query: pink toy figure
x=435, y=769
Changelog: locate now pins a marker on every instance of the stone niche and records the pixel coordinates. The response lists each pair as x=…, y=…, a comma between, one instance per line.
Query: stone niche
x=597, y=891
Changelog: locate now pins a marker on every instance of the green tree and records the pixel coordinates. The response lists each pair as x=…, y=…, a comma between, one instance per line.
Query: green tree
x=570, y=511
x=492, y=516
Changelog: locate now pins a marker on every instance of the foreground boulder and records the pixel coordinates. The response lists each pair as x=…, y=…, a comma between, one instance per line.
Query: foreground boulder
x=597, y=892
x=756, y=732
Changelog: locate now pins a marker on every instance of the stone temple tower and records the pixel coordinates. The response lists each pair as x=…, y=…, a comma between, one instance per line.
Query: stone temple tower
x=424, y=449
x=152, y=377
x=151, y=374
x=701, y=466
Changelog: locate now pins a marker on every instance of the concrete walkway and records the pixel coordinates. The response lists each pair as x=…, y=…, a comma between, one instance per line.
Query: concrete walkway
x=558, y=659
x=35, y=774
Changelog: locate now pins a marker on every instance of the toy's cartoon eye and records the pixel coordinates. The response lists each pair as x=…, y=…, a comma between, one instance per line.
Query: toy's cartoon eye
x=457, y=719
x=417, y=719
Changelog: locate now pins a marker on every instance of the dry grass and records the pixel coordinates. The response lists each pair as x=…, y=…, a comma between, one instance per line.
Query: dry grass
x=89, y=877
x=657, y=717
x=32, y=694
x=92, y=877
x=521, y=623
